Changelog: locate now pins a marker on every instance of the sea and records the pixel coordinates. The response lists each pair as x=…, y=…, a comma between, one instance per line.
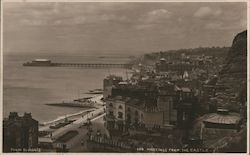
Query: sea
x=28, y=89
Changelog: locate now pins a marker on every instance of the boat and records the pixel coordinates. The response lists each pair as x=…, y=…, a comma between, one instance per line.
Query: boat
x=85, y=99
x=95, y=91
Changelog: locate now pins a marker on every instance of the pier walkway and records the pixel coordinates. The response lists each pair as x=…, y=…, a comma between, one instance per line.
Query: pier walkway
x=92, y=65
x=81, y=65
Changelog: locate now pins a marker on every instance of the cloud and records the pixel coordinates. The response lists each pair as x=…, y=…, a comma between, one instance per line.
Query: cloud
x=207, y=11
x=128, y=25
x=155, y=16
x=63, y=14
x=153, y=19
x=90, y=19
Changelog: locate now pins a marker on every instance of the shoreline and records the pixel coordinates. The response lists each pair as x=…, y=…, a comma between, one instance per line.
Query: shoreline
x=72, y=115
x=68, y=116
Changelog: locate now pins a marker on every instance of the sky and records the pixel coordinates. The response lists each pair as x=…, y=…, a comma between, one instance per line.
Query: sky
x=123, y=27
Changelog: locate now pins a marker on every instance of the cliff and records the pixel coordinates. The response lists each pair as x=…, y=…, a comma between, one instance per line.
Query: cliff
x=233, y=75
x=236, y=61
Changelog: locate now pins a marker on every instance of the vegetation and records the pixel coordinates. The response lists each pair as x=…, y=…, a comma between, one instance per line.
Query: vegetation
x=209, y=51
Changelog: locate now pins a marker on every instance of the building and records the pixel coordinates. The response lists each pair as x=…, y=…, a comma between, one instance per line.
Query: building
x=217, y=128
x=179, y=67
x=186, y=63
x=20, y=133
x=108, y=83
x=223, y=119
x=187, y=108
x=148, y=105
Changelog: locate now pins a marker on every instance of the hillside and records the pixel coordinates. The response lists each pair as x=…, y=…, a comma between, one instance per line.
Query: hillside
x=209, y=51
x=234, y=74
x=236, y=61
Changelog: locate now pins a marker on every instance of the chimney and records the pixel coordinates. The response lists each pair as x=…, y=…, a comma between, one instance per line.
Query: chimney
x=13, y=115
x=27, y=115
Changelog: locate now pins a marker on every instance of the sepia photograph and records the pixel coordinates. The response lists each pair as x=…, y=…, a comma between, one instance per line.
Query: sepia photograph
x=124, y=77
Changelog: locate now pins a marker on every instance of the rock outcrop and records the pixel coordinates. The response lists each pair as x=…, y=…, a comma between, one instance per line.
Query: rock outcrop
x=236, y=61
x=233, y=76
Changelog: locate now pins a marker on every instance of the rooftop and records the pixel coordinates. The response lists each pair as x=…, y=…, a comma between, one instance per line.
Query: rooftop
x=217, y=118
x=123, y=83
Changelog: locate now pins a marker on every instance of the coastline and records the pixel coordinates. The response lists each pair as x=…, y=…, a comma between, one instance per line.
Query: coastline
x=53, y=135
x=51, y=85
x=95, y=99
x=67, y=116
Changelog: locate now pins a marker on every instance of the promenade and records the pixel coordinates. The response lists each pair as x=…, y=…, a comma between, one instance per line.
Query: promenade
x=74, y=144
x=45, y=126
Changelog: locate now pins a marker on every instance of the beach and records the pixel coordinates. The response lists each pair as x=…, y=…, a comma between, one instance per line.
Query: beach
x=93, y=115
x=75, y=116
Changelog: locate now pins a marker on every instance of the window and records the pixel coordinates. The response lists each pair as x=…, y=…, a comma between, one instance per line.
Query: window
x=111, y=113
x=110, y=104
x=128, y=110
x=156, y=126
x=120, y=115
x=184, y=117
x=136, y=113
x=136, y=120
x=172, y=122
x=175, y=105
x=141, y=116
x=128, y=118
x=120, y=107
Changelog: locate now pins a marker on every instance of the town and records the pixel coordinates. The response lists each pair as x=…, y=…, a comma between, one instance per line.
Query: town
x=172, y=102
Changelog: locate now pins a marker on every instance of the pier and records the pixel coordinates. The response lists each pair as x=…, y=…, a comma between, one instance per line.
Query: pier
x=92, y=65
x=48, y=63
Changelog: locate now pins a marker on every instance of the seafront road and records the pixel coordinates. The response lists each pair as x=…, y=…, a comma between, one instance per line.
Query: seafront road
x=75, y=144
x=79, y=144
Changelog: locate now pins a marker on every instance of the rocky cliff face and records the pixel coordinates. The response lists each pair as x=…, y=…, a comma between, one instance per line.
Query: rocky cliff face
x=231, y=92
x=236, y=61
x=233, y=76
